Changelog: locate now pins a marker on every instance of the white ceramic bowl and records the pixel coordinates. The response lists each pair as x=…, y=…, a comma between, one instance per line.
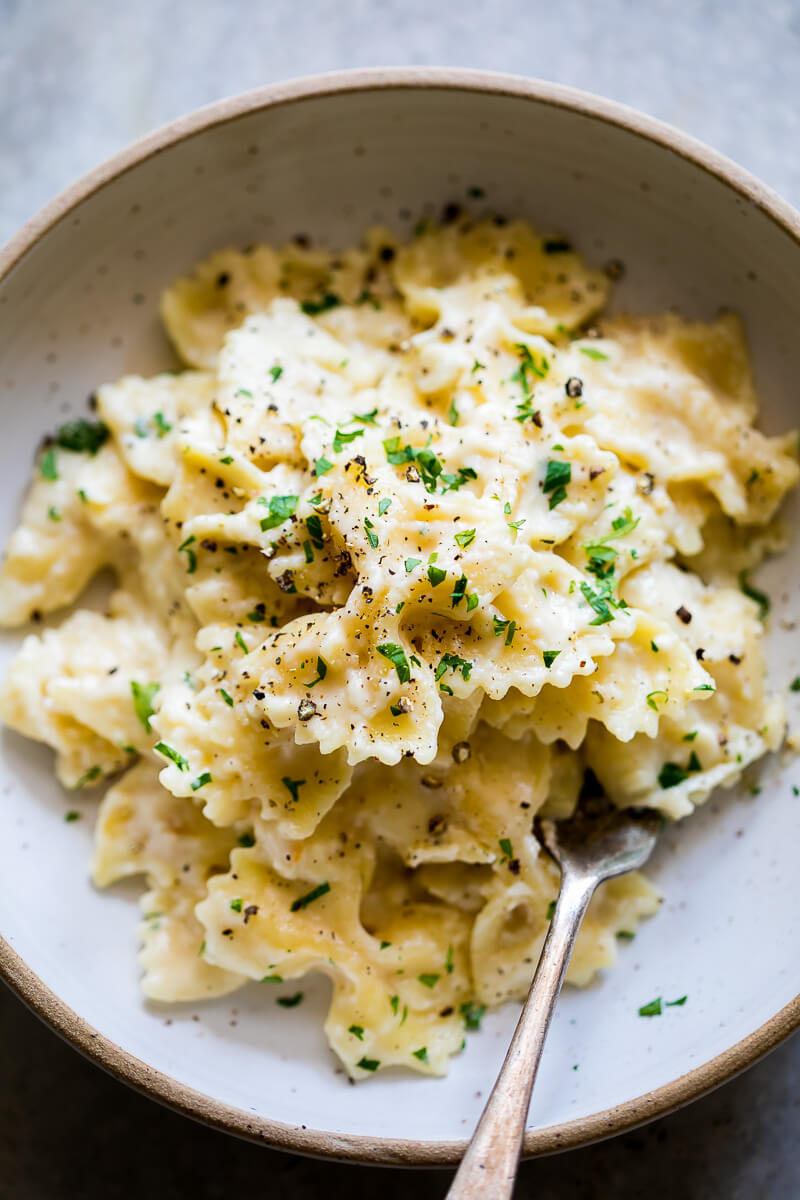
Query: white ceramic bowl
x=78, y=305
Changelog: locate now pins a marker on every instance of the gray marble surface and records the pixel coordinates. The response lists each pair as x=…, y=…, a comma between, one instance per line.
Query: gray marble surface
x=79, y=79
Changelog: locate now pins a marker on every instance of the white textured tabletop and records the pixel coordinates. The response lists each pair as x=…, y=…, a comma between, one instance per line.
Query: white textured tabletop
x=78, y=80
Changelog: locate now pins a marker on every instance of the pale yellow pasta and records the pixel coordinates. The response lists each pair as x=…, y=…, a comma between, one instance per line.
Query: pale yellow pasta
x=408, y=554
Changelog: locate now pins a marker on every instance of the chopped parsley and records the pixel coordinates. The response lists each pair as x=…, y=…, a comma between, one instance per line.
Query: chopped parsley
x=201, y=781
x=72, y=815
x=276, y=373
x=236, y=904
x=761, y=598
x=321, y=889
x=693, y=763
x=271, y=979
x=507, y=849
x=794, y=686
x=671, y=774
x=600, y=606
x=53, y=513
x=47, y=465
x=472, y=1014
x=653, y=1009
x=384, y=505
x=293, y=786
x=322, y=466
x=397, y=657
x=90, y=776
x=453, y=414
x=499, y=626
x=528, y=367
x=436, y=575
x=429, y=980
x=162, y=425
x=689, y=737
x=679, y=1003
x=342, y=438
x=357, y=1031
x=172, y=755
x=453, y=662
x=246, y=839
x=327, y=301
x=464, y=538
x=322, y=671
x=82, y=436
x=411, y=563
x=653, y=699
x=290, y=1001
x=602, y=556
x=550, y=657
x=459, y=591
x=372, y=537
x=143, y=696
x=590, y=352
x=448, y=962
x=551, y=908
x=226, y=697
x=280, y=509
x=368, y=1064
x=367, y=418
x=421, y=1054
x=557, y=476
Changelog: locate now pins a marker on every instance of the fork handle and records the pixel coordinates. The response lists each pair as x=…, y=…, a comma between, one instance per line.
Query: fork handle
x=489, y=1167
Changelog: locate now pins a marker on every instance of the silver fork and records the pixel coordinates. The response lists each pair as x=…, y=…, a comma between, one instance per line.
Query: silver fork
x=597, y=843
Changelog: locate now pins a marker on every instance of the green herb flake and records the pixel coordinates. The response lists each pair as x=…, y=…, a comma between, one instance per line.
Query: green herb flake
x=551, y=908
x=397, y=657
x=342, y=438
x=173, y=755
x=143, y=696
x=236, y=904
x=82, y=436
x=656, y=698
x=280, y=509
x=465, y=538
x=429, y=980
x=357, y=1031
x=384, y=505
x=201, y=781
x=93, y=774
x=290, y=1001
x=368, y=1064
x=679, y=1003
x=507, y=848
x=276, y=373
x=293, y=786
x=320, y=890
x=47, y=465
x=322, y=466
x=596, y=355
x=411, y=563
x=271, y=979
x=72, y=815
x=162, y=425
x=600, y=606
x=327, y=301
x=794, y=686
x=653, y=1009
x=670, y=775
x=421, y=1054
x=367, y=418
x=472, y=1014
x=693, y=763
x=761, y=598
x=226, y=697
x=372, y=537
x=247, y=840
x=550, y=657
x=453, y=415
x=322, y=671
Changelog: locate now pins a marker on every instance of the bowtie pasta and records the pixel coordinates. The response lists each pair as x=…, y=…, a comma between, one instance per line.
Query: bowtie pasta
x=408, y=553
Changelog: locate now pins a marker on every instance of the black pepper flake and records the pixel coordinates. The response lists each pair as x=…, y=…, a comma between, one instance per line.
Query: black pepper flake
x=306, y=709
x=461, y=752
x=437, y=825
x=735, y=659
x=614, y=269
x=450, y=213
x=646, y=484
x=250, y=911
x=683, y=614
x=513, y=866
x=386, y=253
x=700, y=654
x=574, y=387
x=223, y=279
x=259, y=695
x=596, y=472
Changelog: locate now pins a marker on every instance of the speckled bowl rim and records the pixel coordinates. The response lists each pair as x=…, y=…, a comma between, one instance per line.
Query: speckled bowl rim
x=45, y=1003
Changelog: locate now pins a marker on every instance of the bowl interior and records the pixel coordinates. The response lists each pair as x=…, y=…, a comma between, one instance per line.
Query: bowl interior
x=81, y=307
